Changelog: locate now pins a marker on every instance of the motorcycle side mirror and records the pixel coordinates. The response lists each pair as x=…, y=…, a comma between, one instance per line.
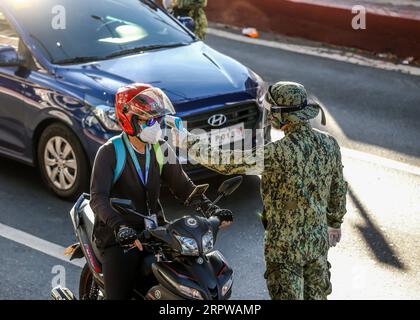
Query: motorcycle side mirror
x=9, y=57
x=229, y=186
x=121, y=205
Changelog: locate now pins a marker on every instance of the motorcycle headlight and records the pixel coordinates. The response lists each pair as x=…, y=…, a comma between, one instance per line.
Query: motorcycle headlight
x=207, y=242
x=226, y=287
x=106, y=116
x=188, y=245
x=190, y=292
x=187, y=291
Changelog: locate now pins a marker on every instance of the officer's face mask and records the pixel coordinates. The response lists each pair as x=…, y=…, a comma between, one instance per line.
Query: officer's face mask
x=150, y=132
x=274, y=116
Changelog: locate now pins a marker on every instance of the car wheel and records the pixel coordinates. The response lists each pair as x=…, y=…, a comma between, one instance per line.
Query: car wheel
x=62, y=162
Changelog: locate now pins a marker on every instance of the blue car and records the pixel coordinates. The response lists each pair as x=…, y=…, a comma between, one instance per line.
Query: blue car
x=62, y=61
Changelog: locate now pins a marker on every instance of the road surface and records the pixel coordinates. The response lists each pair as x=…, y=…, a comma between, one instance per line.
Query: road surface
x=375, y=116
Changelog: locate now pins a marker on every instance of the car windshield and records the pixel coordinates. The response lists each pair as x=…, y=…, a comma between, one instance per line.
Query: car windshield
x=71, y=31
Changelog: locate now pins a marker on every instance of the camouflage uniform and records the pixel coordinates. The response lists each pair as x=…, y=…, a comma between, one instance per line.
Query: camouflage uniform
x=195, y=10
x=303, y=192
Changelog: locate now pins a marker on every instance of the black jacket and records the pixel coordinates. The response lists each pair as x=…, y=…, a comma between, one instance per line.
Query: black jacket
x=129, y=186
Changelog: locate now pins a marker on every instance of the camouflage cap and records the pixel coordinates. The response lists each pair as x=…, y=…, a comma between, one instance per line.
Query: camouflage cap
x=291, y=99
x=310, y=112
x=287, y=94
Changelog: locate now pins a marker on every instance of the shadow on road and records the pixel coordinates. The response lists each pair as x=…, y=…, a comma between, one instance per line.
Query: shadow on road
x=375, y=238
x=370, y=106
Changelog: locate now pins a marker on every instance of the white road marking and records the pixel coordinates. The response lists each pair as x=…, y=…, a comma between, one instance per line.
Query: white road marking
x=38, y=244
x=367, y=157
x=380, y=161
x=332, y=54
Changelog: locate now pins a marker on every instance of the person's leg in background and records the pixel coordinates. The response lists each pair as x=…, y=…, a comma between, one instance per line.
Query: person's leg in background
x=200, y=21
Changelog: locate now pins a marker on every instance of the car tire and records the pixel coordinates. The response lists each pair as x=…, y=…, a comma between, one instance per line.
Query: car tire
x=62, y=162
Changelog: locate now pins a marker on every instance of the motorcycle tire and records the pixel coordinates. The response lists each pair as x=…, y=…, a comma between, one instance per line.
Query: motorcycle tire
x=88, y=289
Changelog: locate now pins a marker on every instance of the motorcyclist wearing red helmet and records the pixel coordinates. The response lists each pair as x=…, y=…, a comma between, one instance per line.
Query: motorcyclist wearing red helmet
x=140, y=109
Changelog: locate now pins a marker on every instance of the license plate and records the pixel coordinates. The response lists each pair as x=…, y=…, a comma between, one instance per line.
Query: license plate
x=225, y=135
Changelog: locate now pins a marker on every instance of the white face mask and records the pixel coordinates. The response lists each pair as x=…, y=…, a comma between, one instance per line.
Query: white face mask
x=151, y=134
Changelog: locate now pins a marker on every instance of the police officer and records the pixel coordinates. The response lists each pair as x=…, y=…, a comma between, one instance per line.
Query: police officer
x=303, y=191
x=190, y=8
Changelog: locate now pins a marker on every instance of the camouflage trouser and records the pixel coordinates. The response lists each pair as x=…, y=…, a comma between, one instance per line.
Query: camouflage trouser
x=292, y=281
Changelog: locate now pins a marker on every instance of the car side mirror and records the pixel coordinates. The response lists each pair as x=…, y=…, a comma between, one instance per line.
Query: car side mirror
x=229, y=186
x=121, y=205
x=9, y=57
x=188, y=22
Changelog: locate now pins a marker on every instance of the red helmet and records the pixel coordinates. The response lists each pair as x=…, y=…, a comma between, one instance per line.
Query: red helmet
x=140, y=101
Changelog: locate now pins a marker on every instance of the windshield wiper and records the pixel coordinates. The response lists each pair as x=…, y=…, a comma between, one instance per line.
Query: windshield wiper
x=145, y=48
x=78, y=60
x=118, y=53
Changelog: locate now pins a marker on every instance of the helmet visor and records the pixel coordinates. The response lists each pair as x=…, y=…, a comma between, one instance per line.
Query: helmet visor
x=151, y=103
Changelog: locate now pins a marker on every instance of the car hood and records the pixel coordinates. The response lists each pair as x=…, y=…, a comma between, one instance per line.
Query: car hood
x=186, y=73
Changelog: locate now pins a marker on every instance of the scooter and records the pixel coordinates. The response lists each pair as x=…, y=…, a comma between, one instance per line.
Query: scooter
x=182, y=263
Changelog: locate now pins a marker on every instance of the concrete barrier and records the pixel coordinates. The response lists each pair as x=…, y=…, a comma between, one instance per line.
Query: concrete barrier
x=397, y=32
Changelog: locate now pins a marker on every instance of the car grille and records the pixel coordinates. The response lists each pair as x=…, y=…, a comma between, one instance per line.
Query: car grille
x=246, y=112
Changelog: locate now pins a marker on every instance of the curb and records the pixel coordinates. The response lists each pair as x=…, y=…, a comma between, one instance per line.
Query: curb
x=387, y=30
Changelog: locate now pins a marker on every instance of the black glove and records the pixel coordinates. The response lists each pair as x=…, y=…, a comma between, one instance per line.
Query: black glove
x=126, y=236
x=207, y=206
x=223, y=215
x=213, y=210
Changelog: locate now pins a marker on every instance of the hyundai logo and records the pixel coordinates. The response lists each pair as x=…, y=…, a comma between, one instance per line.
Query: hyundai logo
x=217, y=120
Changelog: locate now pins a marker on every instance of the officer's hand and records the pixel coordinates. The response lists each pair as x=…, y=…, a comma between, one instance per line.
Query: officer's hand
x=175, y=137
x=126, y=236
x=334, y=236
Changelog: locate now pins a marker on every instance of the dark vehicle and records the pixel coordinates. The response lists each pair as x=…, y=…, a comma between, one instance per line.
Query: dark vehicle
x=62, y=61
x=182, y=262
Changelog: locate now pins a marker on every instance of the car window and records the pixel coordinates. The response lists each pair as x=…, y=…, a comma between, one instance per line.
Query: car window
x=8, y=35
x=70, y=29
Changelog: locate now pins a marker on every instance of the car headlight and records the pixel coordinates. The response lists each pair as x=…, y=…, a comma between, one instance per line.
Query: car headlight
x=188, y=245
x=207, y=241
x=262, y=86
x=226, y=287
x=106, y=116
